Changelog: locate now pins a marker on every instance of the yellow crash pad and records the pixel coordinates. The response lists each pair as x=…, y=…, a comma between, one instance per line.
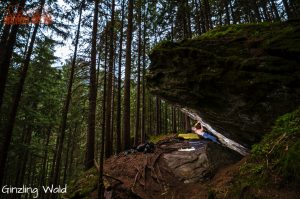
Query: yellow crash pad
x=188, y=136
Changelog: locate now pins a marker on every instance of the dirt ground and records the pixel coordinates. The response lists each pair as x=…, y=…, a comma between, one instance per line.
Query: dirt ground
x=223, y=179
x=140, y=175
x=148, y=177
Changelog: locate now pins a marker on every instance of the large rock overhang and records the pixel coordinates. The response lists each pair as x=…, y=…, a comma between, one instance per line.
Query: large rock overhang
x=238, y=78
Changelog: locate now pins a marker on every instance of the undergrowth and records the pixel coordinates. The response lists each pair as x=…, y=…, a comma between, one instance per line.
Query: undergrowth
x=82, y=186
x=275, y=161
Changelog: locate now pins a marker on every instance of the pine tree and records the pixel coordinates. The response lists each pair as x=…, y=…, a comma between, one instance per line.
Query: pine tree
x=126, y=112
x=7, y=136
x=109, y=100
x=67, y=104
x=90, y=144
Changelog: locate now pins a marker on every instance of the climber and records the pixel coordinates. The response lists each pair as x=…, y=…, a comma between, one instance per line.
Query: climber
x=198, y=129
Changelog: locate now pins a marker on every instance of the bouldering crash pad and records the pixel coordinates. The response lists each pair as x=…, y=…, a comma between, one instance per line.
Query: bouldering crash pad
x=189, y=136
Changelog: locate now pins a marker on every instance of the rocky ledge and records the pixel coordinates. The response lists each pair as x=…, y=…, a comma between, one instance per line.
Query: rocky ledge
x=239, y=78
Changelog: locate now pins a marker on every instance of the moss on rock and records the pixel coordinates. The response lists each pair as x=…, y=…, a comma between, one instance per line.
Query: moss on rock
x=239, y=78
x=274, y=162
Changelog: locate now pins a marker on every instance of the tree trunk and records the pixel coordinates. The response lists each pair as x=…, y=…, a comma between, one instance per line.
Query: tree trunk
x=8, y=40
x=187, y=124
x=100, y=181
x=233, y=15
x=10, y=125
x=295, y=5
x=66, y=162
x=157, y=111
x=227, y=19
x=150, y=129
x=22, y=173
x=7, y=4
x=287, y=9
x=256, y=11
x=108, y=141
x=44, y=167
x=203, y=18
x=275, y=10
x=207, y=14
x=90, y=144
x=188, y=17
x=126, y=112
x=73, y=142
x=112, y=138
x=143, y=132
x=118, y=129
x=53, y=165
x=66, y=108
x=28, y=180
x=265, y=10
x=138, y=98
x=197, y=18
x=166, y=118
x=174, y=125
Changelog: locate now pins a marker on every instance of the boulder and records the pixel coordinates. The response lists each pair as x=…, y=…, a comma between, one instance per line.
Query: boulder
x=200, y=164
x=238, y=78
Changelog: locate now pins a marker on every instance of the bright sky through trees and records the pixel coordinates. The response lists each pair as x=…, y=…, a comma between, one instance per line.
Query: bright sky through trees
x=63, y=51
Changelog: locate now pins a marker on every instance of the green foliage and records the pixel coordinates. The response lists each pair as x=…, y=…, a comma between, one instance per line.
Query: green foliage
x=259, y=150
x=276, y=156
x=84, y=185
x=279, y=148
x=253, y=168
x=289, y=164
x=38, y=111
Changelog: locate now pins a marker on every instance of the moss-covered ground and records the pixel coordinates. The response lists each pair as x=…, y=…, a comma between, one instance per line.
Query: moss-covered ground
x=83, y=186
x=274, y=162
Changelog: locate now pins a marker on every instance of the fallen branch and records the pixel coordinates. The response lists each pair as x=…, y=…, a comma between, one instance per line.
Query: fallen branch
x=277, y=142
x=145, y=173
x=109, y=176
x=224, y=140
x=96, y=165
x=135, y=179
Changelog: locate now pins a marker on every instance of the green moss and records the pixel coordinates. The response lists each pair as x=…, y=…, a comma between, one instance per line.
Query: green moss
x=85, y=184
x=156, y=138
x=222, y=31
x=286, y=38
x=163, y=44
x=289, y=165
x=276, y=156
x=250, y=65
x=225, y=40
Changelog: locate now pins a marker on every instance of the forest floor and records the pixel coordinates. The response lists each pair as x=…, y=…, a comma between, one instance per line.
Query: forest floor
x=143, y=175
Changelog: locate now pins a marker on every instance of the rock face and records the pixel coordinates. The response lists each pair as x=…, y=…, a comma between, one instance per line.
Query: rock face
x=238, y=78
x=200, y=164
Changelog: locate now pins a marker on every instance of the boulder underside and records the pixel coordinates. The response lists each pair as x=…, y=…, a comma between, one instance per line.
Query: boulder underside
x=239, y=78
